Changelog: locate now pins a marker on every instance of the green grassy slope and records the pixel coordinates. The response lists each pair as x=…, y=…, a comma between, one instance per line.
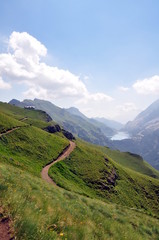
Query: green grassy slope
x=40, y=211
x=28, y=147
x=19, y=113
x=9, y=115
x=132, y=161
x=31, y=148
x=79, y=126
x=7, y=122
x=90, y=172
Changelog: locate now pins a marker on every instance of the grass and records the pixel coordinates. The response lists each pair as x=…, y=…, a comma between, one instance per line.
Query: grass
x=20, y=113
x=7, y=123
x=31, y=148
x=107, y=199
x=131, y=161
x=88, y=171
x=43, y=212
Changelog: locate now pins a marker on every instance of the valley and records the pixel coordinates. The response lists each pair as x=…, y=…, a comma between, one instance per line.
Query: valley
x=103, y=193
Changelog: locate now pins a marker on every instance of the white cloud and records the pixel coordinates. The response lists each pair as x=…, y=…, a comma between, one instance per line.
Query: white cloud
x=127, y=107
x=23, y=64
x=123, y=89
x=147, y=85
x=4, y=85
x=96, y=97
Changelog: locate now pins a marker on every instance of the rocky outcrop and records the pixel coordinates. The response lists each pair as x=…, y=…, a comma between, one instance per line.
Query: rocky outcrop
x=68, y=135
x=57, y=128
x=53, y=128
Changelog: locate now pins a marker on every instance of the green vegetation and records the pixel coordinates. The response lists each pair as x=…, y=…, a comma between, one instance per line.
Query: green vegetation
x=20, y=113
x=89, y=130
x=43, y=212
x=7, y=123
x=31, y=148
x=90, y=172
x=107, y=199
x=131, y=161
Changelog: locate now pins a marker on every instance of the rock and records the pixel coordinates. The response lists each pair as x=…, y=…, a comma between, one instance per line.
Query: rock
x=53, y=129
x=68, y=135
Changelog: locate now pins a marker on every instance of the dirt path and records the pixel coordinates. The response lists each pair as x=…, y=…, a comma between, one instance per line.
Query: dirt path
x=9, y=131
x=6, y=232
x=66, y=153
x=23, y=119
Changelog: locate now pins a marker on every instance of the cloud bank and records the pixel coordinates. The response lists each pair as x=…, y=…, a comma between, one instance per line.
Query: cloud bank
x=147, y=85
x=24, y=64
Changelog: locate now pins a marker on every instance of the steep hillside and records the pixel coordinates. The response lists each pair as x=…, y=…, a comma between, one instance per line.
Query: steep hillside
x=89, y=171
x=107, y=131
x=148, y=120
x=73, y=123
x=132, y=161
x=29, y=147
x=110, y=123
x=145, y=135
x=40, y=211
x=20, y=113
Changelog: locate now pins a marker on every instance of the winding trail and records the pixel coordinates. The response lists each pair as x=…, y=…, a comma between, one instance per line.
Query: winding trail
x=63, y=155
x=8, y=131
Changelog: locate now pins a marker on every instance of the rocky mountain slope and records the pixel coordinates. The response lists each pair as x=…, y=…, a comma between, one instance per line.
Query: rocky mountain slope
x=83, y=127
x=145, y=135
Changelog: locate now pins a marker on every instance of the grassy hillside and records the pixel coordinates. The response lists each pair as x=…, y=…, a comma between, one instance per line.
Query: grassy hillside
x=132, y=161
x=90, y=172
x=28, y=147
x=31, y=148
x=20, y=113
x=7, y=123
x=40, y=211
x=83, y=128
x=105, y=200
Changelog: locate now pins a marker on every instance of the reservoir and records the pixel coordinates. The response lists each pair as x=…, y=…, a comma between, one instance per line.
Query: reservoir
x=120, y=136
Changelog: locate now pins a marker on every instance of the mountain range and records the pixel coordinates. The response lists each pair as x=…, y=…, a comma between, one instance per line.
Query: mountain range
x=98, y=193
x=74, y=121
x=144, y=131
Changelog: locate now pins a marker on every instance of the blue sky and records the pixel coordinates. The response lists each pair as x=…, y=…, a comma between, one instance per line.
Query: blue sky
x=108, y=44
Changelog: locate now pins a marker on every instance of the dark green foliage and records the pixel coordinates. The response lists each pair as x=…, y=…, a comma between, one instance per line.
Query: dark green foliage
x=91, y=172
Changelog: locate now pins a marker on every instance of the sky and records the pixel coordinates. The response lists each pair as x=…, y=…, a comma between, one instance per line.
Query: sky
x=99, y=56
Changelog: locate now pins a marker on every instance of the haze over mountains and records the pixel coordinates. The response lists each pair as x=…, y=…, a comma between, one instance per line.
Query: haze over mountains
x=74, y=121
x=145, y=135
x=144, y=129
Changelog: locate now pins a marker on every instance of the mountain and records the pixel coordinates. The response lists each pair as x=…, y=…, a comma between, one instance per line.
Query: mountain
x=111, y=194
x=80, y=126
x=148, y=120
x=110, y=123
x=107, y=131
x=75, y=111
x=145, y=135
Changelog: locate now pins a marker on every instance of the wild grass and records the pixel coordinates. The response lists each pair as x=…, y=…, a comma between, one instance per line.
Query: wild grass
x=131, y=161
x=41, y=211
x=7, y=122
x=19, y=113
x=88, y=171
x=31, y=148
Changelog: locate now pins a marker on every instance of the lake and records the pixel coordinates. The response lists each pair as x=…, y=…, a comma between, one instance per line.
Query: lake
x=120, y=136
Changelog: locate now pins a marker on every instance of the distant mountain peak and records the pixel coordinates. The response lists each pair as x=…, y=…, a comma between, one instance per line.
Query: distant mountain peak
x=75, y=111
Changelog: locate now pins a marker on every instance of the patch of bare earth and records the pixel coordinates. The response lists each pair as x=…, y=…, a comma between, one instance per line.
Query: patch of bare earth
x=6, y=231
